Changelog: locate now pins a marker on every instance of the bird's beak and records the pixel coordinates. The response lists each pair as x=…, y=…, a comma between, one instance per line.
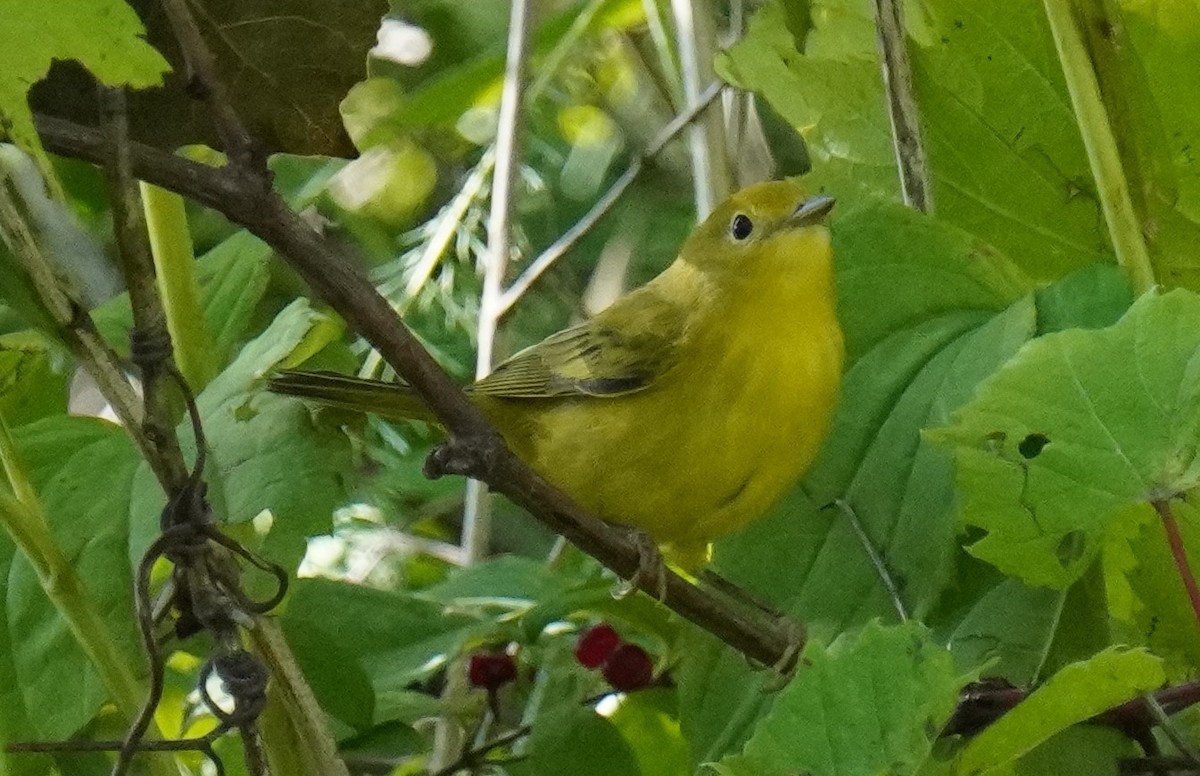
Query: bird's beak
x=811, y=211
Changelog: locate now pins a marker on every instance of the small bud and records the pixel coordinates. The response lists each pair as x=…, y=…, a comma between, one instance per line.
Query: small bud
x=490, y=670
x=629, y=668
x=596, y=645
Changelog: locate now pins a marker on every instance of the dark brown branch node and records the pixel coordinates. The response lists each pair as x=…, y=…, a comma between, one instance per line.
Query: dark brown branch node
x=476, y=455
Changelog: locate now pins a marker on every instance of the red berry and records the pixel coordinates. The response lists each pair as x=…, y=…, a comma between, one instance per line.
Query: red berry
x=490, y=670
x=596, y=645
x=629, y=668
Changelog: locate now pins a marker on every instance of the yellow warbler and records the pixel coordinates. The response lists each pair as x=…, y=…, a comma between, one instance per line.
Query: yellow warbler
x=687, y=407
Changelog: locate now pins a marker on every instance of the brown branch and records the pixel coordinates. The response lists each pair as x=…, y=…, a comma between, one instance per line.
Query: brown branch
x=149, y=320
x=903, y=113
x=203, y=83
x=334, y=279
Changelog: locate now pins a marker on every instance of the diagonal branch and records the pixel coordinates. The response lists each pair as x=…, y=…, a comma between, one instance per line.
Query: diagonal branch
x=334, y=279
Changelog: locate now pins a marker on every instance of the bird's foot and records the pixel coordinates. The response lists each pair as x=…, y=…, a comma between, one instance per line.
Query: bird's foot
x=785, y=667
x=651, y=572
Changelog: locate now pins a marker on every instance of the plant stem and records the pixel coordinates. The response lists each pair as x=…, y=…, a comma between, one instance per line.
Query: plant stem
x=1179, y=553
x=903, y=113
x=477, y=528
x=295, y=731
x=174, y=269
x=75, y=326
x=695, y=36
x=22, y=518
x=1124, y=230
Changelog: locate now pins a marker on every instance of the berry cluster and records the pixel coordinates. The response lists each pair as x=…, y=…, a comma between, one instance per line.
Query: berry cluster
x=625, y=666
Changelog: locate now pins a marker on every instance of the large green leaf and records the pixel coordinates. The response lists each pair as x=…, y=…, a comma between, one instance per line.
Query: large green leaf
x=265, y=451
x=106, y=36
x=82, y=470
x=1080, y=425
x=382, y=640
x=867, y=704
x=993, y=105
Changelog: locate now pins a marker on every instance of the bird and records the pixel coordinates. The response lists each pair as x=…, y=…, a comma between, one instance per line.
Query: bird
x=688, y=407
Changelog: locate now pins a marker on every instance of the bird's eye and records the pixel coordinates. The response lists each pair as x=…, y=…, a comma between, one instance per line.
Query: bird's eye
x=741, y=227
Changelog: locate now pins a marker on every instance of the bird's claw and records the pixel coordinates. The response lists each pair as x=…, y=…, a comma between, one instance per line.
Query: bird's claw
x=785, y=667
x=652, y=569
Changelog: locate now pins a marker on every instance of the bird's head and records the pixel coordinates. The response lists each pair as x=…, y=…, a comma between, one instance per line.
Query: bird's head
x=768, y=228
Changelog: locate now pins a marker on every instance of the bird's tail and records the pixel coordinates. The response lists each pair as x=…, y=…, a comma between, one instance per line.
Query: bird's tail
x=391, y=400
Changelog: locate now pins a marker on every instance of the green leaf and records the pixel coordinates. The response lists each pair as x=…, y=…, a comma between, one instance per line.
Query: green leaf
x=648, y=721
x=868, y=704
x=1084, y=750
x=565, y=730
x=32, y=382
x=82, y=470
x=387, y=638
x=897, y=269
x=1075, y=694
x=105, y=36
x=233, y=278
x=1091, y=298
x=993, y=104
x=266, y=453
x=1078, y=426
x=1008, y=631
x=1145, y=594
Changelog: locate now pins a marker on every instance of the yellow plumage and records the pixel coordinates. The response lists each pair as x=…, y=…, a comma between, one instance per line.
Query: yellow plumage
x=687, y=407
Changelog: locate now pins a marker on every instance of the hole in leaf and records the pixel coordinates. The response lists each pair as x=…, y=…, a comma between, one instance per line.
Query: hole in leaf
x=1031, y=446
x=1070, y=548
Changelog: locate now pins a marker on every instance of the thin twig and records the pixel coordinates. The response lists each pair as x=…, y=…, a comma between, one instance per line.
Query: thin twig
x=710, y=174
x=334, y=278
x=474, y=756
x=1169, y=730
x=477, y=524
x=903, y=112
x=133, y=249
x=204, y=82
x=567, y=241
x=885, y=576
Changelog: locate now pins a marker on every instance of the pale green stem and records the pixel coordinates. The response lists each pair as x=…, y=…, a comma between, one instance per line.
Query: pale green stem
x=1103, y=156
x=695, y=36
x=22, y=518
x=295, y=731
x=174, y=267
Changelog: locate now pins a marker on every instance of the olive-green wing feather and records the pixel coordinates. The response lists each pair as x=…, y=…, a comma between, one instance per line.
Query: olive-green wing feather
x=623, y=350
x=392, y=400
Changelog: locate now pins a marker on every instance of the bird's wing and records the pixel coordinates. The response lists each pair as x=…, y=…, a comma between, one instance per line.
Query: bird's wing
x=622, y=351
